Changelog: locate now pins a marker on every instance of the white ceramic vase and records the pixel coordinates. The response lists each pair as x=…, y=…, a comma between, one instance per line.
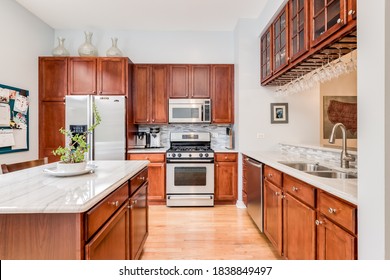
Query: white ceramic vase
x=87, y=49
x=114, y=50
x=71, y=167
x=60, y=50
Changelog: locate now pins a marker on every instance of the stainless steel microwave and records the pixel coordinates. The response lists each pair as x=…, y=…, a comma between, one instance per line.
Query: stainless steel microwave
x=189, y=111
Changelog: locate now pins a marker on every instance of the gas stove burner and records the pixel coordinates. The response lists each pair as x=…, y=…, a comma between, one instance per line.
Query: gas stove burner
x=189, y=149
x=190, y=146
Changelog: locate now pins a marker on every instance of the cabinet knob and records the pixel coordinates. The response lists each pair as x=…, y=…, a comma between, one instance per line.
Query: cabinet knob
x=339, y=21
x=270, y=175
x=225, y=157
x=318, y=222
x=295, y=189
x=142, y=178
x=332, y=210
x=135, y=201
x=152, y=120
x=277, y=193
x=114, y=203
x=351, y=12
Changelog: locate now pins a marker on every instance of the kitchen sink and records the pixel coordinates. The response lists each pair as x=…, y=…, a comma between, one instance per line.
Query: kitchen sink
x=319, y=170
x=306, y=166
x=333, y=174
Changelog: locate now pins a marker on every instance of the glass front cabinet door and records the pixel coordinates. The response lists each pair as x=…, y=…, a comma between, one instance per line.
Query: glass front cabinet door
x=299, y=28
x=280, y=38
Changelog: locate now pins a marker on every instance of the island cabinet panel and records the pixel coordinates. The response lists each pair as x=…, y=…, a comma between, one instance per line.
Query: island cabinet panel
x=112, y=241
x=41, y=236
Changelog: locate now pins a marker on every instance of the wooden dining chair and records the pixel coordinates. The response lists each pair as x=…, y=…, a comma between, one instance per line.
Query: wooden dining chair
x=6, y=168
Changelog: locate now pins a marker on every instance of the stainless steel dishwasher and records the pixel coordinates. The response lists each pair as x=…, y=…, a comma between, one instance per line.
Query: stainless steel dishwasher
x=255, y=191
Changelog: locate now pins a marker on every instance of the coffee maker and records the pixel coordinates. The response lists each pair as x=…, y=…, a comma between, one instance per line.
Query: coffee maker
x=155, y=138
x=141, y=139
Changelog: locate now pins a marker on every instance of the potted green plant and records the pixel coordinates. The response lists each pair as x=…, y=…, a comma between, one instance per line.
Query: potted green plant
x=72, y=156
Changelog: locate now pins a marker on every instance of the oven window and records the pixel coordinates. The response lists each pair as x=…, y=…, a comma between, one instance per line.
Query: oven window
x=185, y=113
x=190, y=176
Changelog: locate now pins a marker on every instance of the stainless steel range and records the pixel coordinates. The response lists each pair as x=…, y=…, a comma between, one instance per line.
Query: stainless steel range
x=190, y=170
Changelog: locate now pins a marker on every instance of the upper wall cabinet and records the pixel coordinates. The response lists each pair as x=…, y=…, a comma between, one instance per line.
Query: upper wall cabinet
x=189, y=81
x=98, y=75
x=222, y=93
x=299, y=28
x=305, y=34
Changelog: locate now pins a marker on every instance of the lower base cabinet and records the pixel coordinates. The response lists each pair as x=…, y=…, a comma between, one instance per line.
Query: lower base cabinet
x=138, y=205
x=225, y=173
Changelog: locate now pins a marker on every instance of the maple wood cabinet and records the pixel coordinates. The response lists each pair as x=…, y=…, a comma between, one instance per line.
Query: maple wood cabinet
x=98, y=75
x=273, y=207
x=225, y=174
x=222, y=93
x=189, y=81
x=150, y=94
x=303, y=35
x=61, y=76
x=156, y=169
x=305, y=223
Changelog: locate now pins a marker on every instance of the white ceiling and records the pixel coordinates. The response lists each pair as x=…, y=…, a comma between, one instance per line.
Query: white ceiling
x=156, y=15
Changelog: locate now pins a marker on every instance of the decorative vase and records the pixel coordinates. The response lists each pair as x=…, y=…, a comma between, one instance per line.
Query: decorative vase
x=87, y=49
x=60, y=50
x=114, y=50
x=71, y=167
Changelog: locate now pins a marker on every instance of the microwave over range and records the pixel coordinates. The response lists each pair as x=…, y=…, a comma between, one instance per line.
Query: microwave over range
x=189, y=110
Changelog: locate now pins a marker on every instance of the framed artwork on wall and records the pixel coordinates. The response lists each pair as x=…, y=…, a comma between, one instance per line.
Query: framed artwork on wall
x=279, y=112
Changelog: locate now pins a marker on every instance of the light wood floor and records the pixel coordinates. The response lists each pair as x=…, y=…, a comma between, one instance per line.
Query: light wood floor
x=204, y=233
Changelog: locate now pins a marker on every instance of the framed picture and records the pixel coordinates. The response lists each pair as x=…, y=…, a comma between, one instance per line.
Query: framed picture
x=279, y=112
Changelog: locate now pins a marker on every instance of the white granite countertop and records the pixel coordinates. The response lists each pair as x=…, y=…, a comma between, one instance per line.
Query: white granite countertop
x=343, y=188
x=34, y=191
x=225, y=150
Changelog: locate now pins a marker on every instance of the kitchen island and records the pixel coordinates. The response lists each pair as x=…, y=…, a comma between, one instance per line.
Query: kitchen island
x=99, y=215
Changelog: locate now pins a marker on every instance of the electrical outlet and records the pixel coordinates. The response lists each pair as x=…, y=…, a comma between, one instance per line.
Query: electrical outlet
x=215, y=134
x=260, y=135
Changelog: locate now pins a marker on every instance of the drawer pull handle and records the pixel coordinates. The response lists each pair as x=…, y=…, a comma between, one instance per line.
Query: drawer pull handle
x=318, y=222
x=142, y=178
x=277, y=193
x=135, y=201
x=295, y=189
x=332, y=210
x=114, y=203
x=270, y=175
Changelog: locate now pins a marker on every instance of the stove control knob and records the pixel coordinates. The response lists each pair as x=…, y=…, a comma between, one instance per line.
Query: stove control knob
x=206, y=155
x=173, y=155
x=200, y=155
x=190, y=155
x=179, y=155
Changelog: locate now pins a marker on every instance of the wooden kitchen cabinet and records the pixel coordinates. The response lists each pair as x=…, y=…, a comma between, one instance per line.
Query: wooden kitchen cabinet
x=327, y=17
x=225, y=173
x=98, y=75
x=273, y=214
x=299, y=28
x=280, y=40
x=189, y=81
x=266, y=55
x=53, y=78
x=150, y=94
x=156, y=169
x=299, y=215
x=112, y=241
x=222, y=93
x=336, y=228
x=139, y=228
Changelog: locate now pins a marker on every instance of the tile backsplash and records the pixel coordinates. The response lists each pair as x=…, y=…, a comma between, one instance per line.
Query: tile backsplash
x=219, y=138
x=329, y=155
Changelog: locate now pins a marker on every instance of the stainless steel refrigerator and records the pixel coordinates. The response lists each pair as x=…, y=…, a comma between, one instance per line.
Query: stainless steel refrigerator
x=108, y=139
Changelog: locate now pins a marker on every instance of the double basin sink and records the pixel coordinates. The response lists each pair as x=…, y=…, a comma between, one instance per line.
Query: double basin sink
x=319, y=170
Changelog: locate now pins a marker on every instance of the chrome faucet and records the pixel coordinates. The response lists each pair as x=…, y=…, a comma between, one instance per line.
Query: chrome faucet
x=345, y=157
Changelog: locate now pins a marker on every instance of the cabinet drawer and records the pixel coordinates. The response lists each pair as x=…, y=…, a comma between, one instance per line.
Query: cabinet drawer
x=225, y=156
x=340, y=212
x=99, y=214
x=299, y=189
x=273, y=175
x=138, y=180
x=148, y=156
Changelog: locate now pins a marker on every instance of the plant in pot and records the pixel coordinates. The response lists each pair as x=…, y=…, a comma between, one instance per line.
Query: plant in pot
x=72, y=156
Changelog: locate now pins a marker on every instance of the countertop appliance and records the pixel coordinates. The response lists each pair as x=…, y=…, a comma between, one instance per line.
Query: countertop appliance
x=255, y=191
x=107, y=140
x=230, y=133
x=141, y=140
x=155, y=137
x=190, y=170
x=189, y=111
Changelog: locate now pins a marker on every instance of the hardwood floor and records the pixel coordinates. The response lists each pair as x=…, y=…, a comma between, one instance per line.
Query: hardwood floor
x=204, y=233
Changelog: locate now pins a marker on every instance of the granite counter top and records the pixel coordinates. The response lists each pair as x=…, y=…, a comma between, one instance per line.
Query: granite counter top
x=34, y=191
x=343, y=188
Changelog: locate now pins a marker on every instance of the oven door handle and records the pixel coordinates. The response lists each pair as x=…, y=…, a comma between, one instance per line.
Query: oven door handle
x=189, y=161
x=187, y=197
